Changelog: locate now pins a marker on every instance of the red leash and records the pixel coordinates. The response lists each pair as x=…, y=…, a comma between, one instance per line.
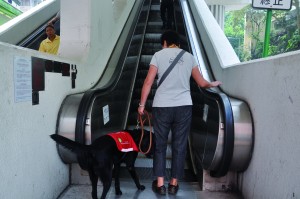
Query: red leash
x=142, y=121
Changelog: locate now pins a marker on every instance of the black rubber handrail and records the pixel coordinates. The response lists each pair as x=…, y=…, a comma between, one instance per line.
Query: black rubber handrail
x=227, y=113
x=228, y=144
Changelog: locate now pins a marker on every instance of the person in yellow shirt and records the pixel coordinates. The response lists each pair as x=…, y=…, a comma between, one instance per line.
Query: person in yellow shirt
x=51, y=43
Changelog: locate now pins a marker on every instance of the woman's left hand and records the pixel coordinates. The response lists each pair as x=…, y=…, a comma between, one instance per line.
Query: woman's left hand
x=215, y=83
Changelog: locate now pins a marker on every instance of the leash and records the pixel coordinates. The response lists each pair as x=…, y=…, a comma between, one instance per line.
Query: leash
x=141, y=121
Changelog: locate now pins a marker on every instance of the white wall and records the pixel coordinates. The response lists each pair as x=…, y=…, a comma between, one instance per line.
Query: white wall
x=271, y=88
x=90, y=36
x=30, y=165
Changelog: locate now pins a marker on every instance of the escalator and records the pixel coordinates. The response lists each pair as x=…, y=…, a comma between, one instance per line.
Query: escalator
x=33, y=40
x=152, y=44
x=112, y=104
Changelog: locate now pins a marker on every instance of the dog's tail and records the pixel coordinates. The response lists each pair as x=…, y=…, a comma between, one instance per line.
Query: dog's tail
x=69, y=144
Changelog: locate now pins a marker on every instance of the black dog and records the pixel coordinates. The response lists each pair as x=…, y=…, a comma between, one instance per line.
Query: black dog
x=103, y=155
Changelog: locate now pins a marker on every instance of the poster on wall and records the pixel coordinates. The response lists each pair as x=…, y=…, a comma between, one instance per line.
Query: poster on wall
x=22, y=79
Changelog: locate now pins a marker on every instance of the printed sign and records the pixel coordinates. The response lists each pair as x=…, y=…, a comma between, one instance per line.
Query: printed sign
x=105, y=111
x=22, y=79
x=272, y=4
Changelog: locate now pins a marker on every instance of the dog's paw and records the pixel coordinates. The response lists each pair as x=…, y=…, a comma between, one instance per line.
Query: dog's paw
x=118, y=192
x=141, y=187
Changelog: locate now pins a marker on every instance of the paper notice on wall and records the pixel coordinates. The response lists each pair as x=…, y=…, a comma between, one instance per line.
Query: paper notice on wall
x=105, y=111
x=22, y=79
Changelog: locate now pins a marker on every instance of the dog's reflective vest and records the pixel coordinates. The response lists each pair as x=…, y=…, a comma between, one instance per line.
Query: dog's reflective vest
x=124, y=141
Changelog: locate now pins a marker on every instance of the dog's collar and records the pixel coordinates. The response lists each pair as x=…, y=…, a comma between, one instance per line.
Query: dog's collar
x=124, y=141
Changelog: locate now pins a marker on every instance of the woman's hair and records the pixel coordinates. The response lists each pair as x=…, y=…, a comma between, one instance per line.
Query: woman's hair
x=171, y=37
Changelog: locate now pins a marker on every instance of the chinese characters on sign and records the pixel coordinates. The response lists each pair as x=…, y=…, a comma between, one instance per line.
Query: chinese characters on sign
x=265, y=2
x=272, y=4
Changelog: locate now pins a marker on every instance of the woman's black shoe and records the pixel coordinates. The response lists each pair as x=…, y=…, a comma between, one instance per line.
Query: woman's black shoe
x=172, y=189
x=160, y=190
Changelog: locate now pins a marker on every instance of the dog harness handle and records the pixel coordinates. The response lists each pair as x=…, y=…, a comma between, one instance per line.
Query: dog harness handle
x=142, y=121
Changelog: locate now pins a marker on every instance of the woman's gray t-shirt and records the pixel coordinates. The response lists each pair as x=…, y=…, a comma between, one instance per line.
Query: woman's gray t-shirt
x=175, y=89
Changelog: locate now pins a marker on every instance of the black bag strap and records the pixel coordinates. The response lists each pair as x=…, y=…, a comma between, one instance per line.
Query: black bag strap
x=163, y=77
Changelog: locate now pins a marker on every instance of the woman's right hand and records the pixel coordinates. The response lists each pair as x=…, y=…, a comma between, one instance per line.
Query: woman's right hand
x=141, y=110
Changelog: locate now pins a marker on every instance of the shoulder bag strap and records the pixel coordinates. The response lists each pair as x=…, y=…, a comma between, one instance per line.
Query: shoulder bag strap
x=163, y=77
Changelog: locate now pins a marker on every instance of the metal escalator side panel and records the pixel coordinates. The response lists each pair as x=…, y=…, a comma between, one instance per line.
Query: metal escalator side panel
x=243, y=136
x=66, y=123
x=212, y=134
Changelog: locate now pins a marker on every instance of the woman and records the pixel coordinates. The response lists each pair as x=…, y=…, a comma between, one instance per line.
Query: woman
x=172, y=107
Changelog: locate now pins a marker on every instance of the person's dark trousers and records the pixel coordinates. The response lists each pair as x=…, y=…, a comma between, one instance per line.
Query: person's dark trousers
x=167, y=13
x=178, y=120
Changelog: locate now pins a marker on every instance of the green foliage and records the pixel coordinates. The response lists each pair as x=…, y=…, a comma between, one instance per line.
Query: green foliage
x=234, y=26
x=257, y=52
x=234, y=30
x=294, y=42
x=285, y=36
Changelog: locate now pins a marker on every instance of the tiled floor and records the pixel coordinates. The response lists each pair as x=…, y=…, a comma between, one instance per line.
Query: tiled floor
x=188, y=190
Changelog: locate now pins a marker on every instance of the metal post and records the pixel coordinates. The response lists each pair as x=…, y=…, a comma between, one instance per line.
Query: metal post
x=267, y=33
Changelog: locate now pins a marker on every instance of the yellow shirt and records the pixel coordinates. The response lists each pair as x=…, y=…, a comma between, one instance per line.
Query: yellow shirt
x=49, y=46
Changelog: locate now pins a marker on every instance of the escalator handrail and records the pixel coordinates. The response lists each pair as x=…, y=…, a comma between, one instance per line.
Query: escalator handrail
x=228, y=144
x=136, y=69
x=219, y=96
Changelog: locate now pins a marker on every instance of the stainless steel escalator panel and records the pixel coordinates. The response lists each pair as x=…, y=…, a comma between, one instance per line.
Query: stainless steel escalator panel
x=243, y=136
x=66, y=125
x=207, y=139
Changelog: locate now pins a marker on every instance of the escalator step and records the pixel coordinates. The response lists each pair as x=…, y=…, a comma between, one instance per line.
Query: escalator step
x=152, y=38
